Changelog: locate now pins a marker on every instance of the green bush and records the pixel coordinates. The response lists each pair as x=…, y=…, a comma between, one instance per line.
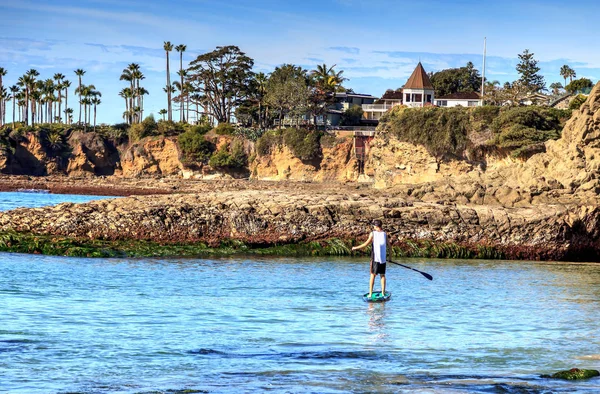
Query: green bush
x=194, y=146
x=523, y=130
x=201, y=128
x=225, y=129
x=169, y=128
x=440, y=130
x=235, y=159
x=330, y=141
x=304, y=144
x=352, y=116
x=577, y=102
x=268, y=141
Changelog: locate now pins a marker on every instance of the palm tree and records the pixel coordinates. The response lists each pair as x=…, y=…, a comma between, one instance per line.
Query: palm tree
x=181, y=48
x=4, y=98
x=261, y=89
x=141, y=92
x=14, y=90
x=79, y=72
x=567, y=72
x=66, y=85
x=168, y=47
x=3, y=73
x=69, y=115
x=572, y=74
x=96, y=101
x=162, y=112
x=126, y=94
x=58, y=77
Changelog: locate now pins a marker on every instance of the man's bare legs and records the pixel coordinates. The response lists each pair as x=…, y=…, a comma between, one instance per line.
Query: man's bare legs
x=371, y=282
x=382, y=285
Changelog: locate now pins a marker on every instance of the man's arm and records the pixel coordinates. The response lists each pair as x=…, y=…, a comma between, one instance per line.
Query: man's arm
x=367, y=243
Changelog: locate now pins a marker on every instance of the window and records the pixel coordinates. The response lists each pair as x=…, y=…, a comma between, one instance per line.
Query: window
x=429, y=98
x=442, y=103
x=407, y=98
x=472, y=103
x=418, y=97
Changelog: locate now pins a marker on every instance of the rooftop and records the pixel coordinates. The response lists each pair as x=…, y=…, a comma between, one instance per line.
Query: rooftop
x=419, y=79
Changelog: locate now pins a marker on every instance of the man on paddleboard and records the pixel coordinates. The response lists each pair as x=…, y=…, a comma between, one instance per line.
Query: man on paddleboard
x=378, y=238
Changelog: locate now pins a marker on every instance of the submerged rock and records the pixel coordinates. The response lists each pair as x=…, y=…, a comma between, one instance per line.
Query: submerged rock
x=574, y=374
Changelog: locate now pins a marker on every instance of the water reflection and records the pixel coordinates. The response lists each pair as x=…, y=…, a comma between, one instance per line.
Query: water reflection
x=377, y=322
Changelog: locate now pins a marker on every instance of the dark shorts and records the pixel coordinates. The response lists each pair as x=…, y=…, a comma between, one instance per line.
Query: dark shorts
x=378, y=268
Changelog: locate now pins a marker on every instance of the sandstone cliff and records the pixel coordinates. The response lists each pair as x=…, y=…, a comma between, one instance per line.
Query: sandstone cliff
x=336, y=163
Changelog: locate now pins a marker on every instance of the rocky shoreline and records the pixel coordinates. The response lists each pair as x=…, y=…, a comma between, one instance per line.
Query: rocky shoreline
x=262, y=217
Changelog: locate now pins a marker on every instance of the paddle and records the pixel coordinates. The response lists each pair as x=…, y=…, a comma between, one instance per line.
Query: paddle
x=425, y=274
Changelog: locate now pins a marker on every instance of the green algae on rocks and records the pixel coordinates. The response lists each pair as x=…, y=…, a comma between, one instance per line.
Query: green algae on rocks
x=83, y=247
x=574, y=374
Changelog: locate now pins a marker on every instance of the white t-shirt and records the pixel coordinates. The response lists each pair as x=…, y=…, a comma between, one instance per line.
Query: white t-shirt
x=379, y=246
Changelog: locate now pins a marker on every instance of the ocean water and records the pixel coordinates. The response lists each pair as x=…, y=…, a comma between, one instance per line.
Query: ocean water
x=40, y=198
x=289, y=325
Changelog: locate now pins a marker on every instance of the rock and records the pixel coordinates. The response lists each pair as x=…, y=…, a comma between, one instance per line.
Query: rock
x=574, y=374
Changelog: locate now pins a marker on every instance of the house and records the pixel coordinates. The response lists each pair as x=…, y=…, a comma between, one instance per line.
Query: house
x=460, y=99
x=390, y=99
x=333, y=115
x=418, y=90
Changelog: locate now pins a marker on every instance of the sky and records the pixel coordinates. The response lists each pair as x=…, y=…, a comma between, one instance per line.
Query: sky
x=377, y=43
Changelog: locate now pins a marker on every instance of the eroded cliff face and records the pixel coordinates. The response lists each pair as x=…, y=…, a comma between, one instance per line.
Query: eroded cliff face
x=152, y=157
x=91, y=155
x=337, y=163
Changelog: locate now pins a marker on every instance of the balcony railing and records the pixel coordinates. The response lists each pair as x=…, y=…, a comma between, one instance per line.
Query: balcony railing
x=379, y=107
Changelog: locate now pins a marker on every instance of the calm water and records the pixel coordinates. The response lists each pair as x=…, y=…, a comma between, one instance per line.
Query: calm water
x=34, y=199
x=293, y=326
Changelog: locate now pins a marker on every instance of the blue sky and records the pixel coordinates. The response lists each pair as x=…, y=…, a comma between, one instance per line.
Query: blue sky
x=376, y=42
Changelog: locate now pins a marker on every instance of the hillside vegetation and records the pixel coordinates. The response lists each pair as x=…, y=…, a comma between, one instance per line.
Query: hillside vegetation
x=454, y=132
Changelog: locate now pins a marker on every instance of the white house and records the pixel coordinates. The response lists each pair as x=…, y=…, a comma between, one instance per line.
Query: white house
x=374, y=112
x=464, y=99
x=418, y=90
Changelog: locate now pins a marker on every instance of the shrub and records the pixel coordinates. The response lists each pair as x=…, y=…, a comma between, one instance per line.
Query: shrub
x=577, y=102
x=352, y=116
x=523, y=130
x=440, y=130
x=329, y=141
x=225, y=129
x=235, y=159
x=136, y=132
x=202, y=128
x=194, y=146
x=304, y=144
x=169, y=128
x=269, y=140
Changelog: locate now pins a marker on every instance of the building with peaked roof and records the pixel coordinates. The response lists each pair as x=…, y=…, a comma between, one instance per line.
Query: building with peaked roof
x=460, y=99
x=418, y=90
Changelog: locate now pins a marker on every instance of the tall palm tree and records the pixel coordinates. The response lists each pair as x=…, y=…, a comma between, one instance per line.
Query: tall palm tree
x=3, y=73
x=141, y=92
x=66, y=84
x=58, y=77
x=168, y=47
x=79, y=72
x=14, y=90
x=567, y=72
x=261, y=89
x=126, y=94
x=4, y=98
x=95, y=101
x=69, y=115
x=181, y=48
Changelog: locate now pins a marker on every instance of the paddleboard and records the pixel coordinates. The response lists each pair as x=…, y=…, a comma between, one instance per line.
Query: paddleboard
x=377, y=296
